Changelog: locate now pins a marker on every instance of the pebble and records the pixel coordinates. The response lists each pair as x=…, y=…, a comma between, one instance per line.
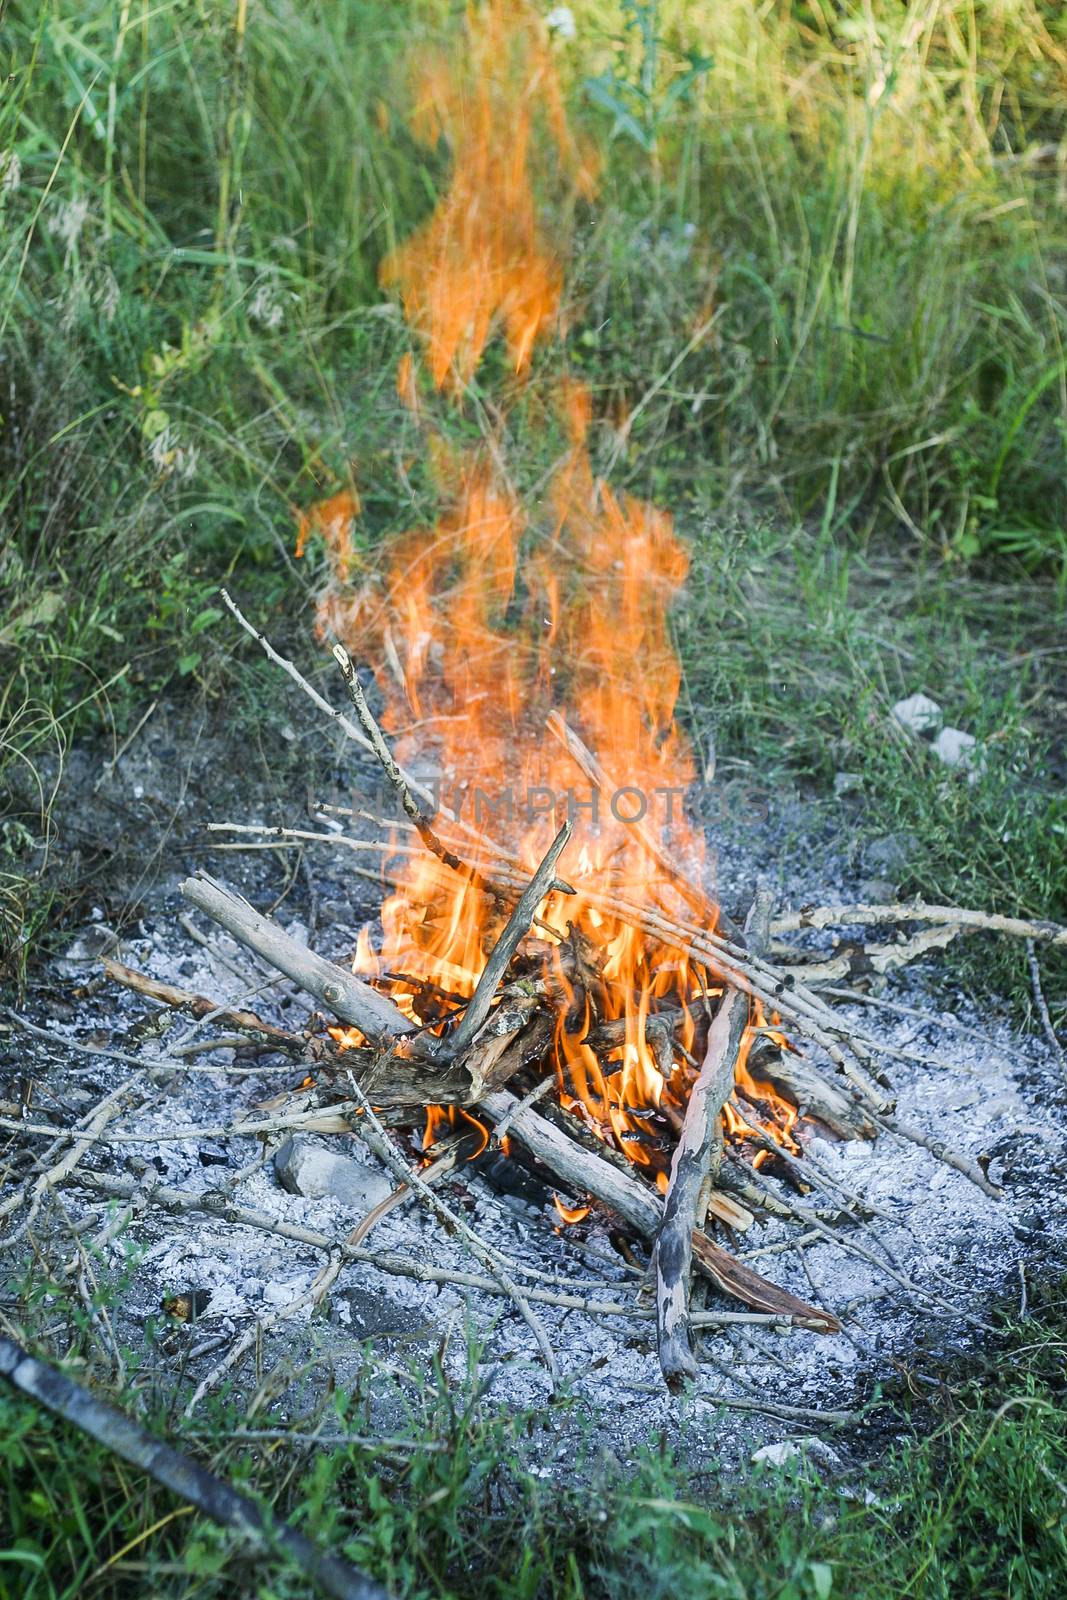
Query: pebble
x=303, y=1167
x=917, y=714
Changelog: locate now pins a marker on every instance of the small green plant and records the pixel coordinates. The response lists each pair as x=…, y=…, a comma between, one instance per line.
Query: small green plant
x=648, y=80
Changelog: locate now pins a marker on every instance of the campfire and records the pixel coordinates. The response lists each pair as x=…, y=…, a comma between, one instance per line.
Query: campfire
x=551, y=973
x=552, y=976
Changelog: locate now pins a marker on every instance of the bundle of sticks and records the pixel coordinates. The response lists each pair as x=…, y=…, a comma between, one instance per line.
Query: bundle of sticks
x=491, y=1056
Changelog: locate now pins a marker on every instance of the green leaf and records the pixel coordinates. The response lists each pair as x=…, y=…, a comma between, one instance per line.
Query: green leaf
x=153, y=423
x=189, y=663
x=822, y=1579
x=206, y=619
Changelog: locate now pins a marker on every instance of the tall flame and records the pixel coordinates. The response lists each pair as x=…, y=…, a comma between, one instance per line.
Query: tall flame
x=487, y=623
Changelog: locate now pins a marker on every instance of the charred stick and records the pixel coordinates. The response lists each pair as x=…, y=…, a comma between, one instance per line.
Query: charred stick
x=515, y=930
x=184, y=1477
x=199, y=1005
x=798, y=1082
x=697, y=1156
x=580, y=1171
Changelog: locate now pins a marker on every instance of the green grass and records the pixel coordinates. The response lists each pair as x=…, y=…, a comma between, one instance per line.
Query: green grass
x=194, y=343
x=968, y=1499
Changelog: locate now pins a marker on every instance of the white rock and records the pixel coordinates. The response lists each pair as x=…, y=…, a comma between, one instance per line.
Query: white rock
x=810, y=1448
x=917, y=714
x=91, y=944
x=958, y=749
x=320, y=1174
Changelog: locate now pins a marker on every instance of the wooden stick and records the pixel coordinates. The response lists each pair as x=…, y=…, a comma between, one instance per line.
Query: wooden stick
x=515, y=930
x=373, y=1135
x=346, y=996
x=798, y=1082
x=581, y=1171
x=397, y=781
x=843, y=916
x=311, y=1296
x=342, y=722
x=215, y=1204
x=198, y=1004
x=591, y=768
x=693, y=1163
x=1042, y=1008
x=858, y=961
x=217, y=1499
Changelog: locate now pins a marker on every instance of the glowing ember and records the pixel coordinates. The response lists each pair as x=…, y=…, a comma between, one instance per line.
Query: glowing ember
x=484, y=625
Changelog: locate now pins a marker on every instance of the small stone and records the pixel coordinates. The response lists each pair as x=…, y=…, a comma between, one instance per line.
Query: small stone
x=309, y=1169
x=958, y=749
x=91, y=943
x=817, y=1451
x=917, y=714
x=847, y=783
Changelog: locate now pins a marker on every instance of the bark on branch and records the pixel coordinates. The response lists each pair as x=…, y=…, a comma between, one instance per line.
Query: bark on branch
x=692, y=1165
x=123, y=1436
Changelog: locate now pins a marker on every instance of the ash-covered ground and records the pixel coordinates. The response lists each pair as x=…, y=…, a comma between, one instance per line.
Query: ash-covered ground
x=916, y=1279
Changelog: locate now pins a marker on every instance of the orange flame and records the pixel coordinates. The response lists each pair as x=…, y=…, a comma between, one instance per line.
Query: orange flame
x=480, y=261
x=570, y=1214
x=475, y=647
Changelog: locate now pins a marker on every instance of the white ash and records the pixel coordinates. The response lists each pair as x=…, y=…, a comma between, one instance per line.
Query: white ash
x=985, y=1097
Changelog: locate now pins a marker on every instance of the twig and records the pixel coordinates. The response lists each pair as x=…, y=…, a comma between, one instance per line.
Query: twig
x=515, y=930
x=346, y=996
x=843, y=916
x=856, y=961
x=1042, y=1008
x=402, y=790
x=310, y=1296
x=126, y=1438
x=693, y=1163
x=943, y=1152
x=215, y=1204
x=339, y=720
x=199, y=1005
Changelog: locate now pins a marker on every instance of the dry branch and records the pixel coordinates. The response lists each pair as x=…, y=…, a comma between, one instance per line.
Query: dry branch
x=198, y=1005
x=863, y=961
x=126, y=1438
x=346, y=996
x=515, y=929
x=693, y=1164
x=956, y=916
x=798, y=1082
